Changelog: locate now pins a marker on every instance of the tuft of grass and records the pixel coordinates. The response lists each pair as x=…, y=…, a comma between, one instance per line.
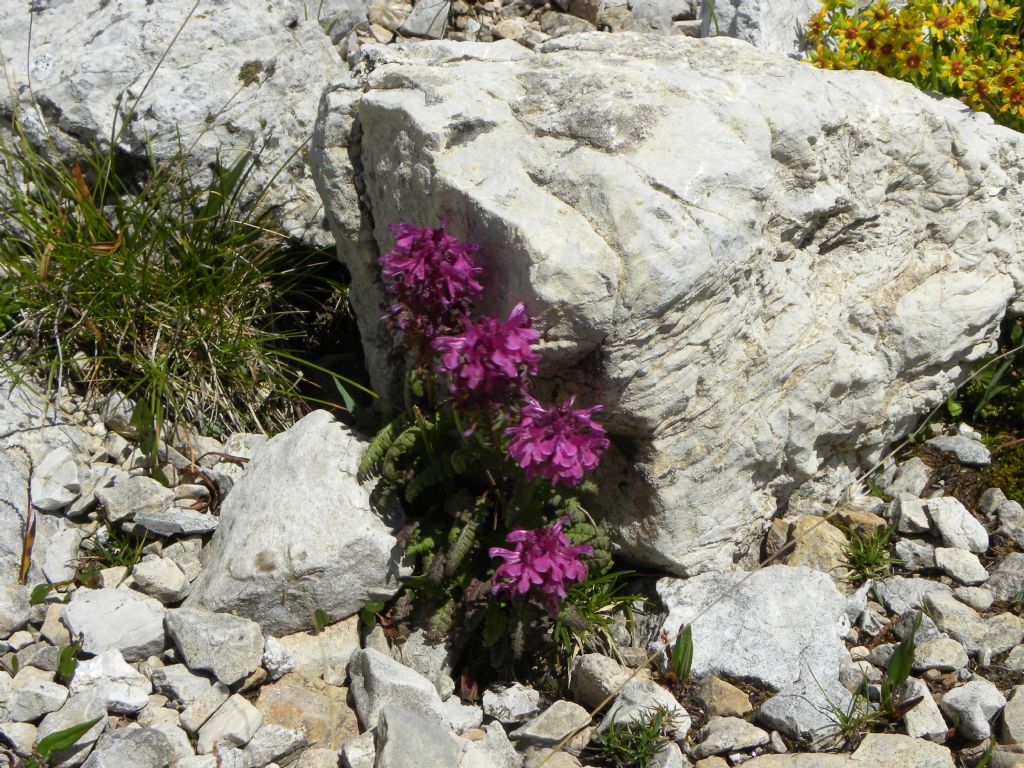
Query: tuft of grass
x=633, y=744
x=867, y=555
x=174, y=293
x=112, y=550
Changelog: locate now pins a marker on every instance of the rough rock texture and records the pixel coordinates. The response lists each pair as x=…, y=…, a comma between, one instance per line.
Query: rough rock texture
x=779, y=626
x=750, y=262
x=774, y=25
x=270, y=560
x=238, y=77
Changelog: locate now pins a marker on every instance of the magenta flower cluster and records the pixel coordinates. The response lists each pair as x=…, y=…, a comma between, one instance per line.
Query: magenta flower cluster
x=560, y=444
x=489, y=362
x=543, y=560
x=431, y=281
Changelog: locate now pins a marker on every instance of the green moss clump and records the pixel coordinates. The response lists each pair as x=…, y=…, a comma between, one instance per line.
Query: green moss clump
x=1007, y=471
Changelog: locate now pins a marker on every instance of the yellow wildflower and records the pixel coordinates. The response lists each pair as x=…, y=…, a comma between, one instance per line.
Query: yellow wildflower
x=939, y=21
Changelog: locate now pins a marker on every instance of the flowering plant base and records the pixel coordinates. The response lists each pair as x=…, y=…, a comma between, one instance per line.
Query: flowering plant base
x=478, y=464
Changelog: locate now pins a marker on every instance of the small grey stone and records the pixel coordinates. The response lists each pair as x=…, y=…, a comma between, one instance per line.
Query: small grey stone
x=594, y=677
x=552, y=725
x=161, y=578
x=378, y=680
x=1007, y=578
x=967, y=451
x=359, y=752
x=233, y=724
x=923, y=721
x=272, y=743
x=990, y=500
x=181, y=746
x=179, y=684
x=911, y=477
x=429, y=18
x=463, y=716
x=136, y=495
x=125, y=689
x=37, y=699
x=961, y=565
x=910, y=515
x=116, y=618
x=972, y=706
x=231, y=647
x=945, y=655
x=1011, y=728
x=175, y=521
x=407, y=739
x=915, y=555
x=900, y=594
x=14, y=608
x=511, y=703
x=978, y=598
x=116, y=410
x=1010, y=512
x=277, y=659
x=202, y=709
x=955, y=525
x=131, y=748
x=57, y=481
x=1015, y=659
x=728, y=734
x=21, y=736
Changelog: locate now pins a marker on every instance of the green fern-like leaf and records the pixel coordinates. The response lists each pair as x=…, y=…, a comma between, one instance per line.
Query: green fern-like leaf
x=403, y=445
x=424, y=546
x=378, y=448
x=461, y=548
x=437, y=472
x=441, y=622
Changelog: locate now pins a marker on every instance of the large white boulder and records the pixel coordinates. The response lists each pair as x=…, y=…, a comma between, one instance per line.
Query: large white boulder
x=297, y=534
x=240, y=76
x=764, y=271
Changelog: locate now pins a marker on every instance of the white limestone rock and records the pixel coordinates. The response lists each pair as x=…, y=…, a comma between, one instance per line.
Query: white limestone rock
x=924, y=720
x=230, y=647
x=57, y=481
x=116, y=618
x=278, y=660
x=774, y=25
x=512, y=703
x=126, y=690
x=131, y=748
x=792, y=619
x=238, y=79
x=176, y=682
x=270, y=560
x=956, y=525
x=961, y=565
x=161, y=578
x=749, y=261
x=232, y=725
x=36, y=699
x=972, y=707
x=378, y=681
x=136, y=495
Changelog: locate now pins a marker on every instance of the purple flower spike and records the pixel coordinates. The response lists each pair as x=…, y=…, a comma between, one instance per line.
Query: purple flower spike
x=490, y=361
x=543, y=561
x=431, y=280
x=560, y=444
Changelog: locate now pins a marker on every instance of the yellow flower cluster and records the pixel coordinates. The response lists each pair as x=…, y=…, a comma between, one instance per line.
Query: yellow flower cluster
x=968, y=49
